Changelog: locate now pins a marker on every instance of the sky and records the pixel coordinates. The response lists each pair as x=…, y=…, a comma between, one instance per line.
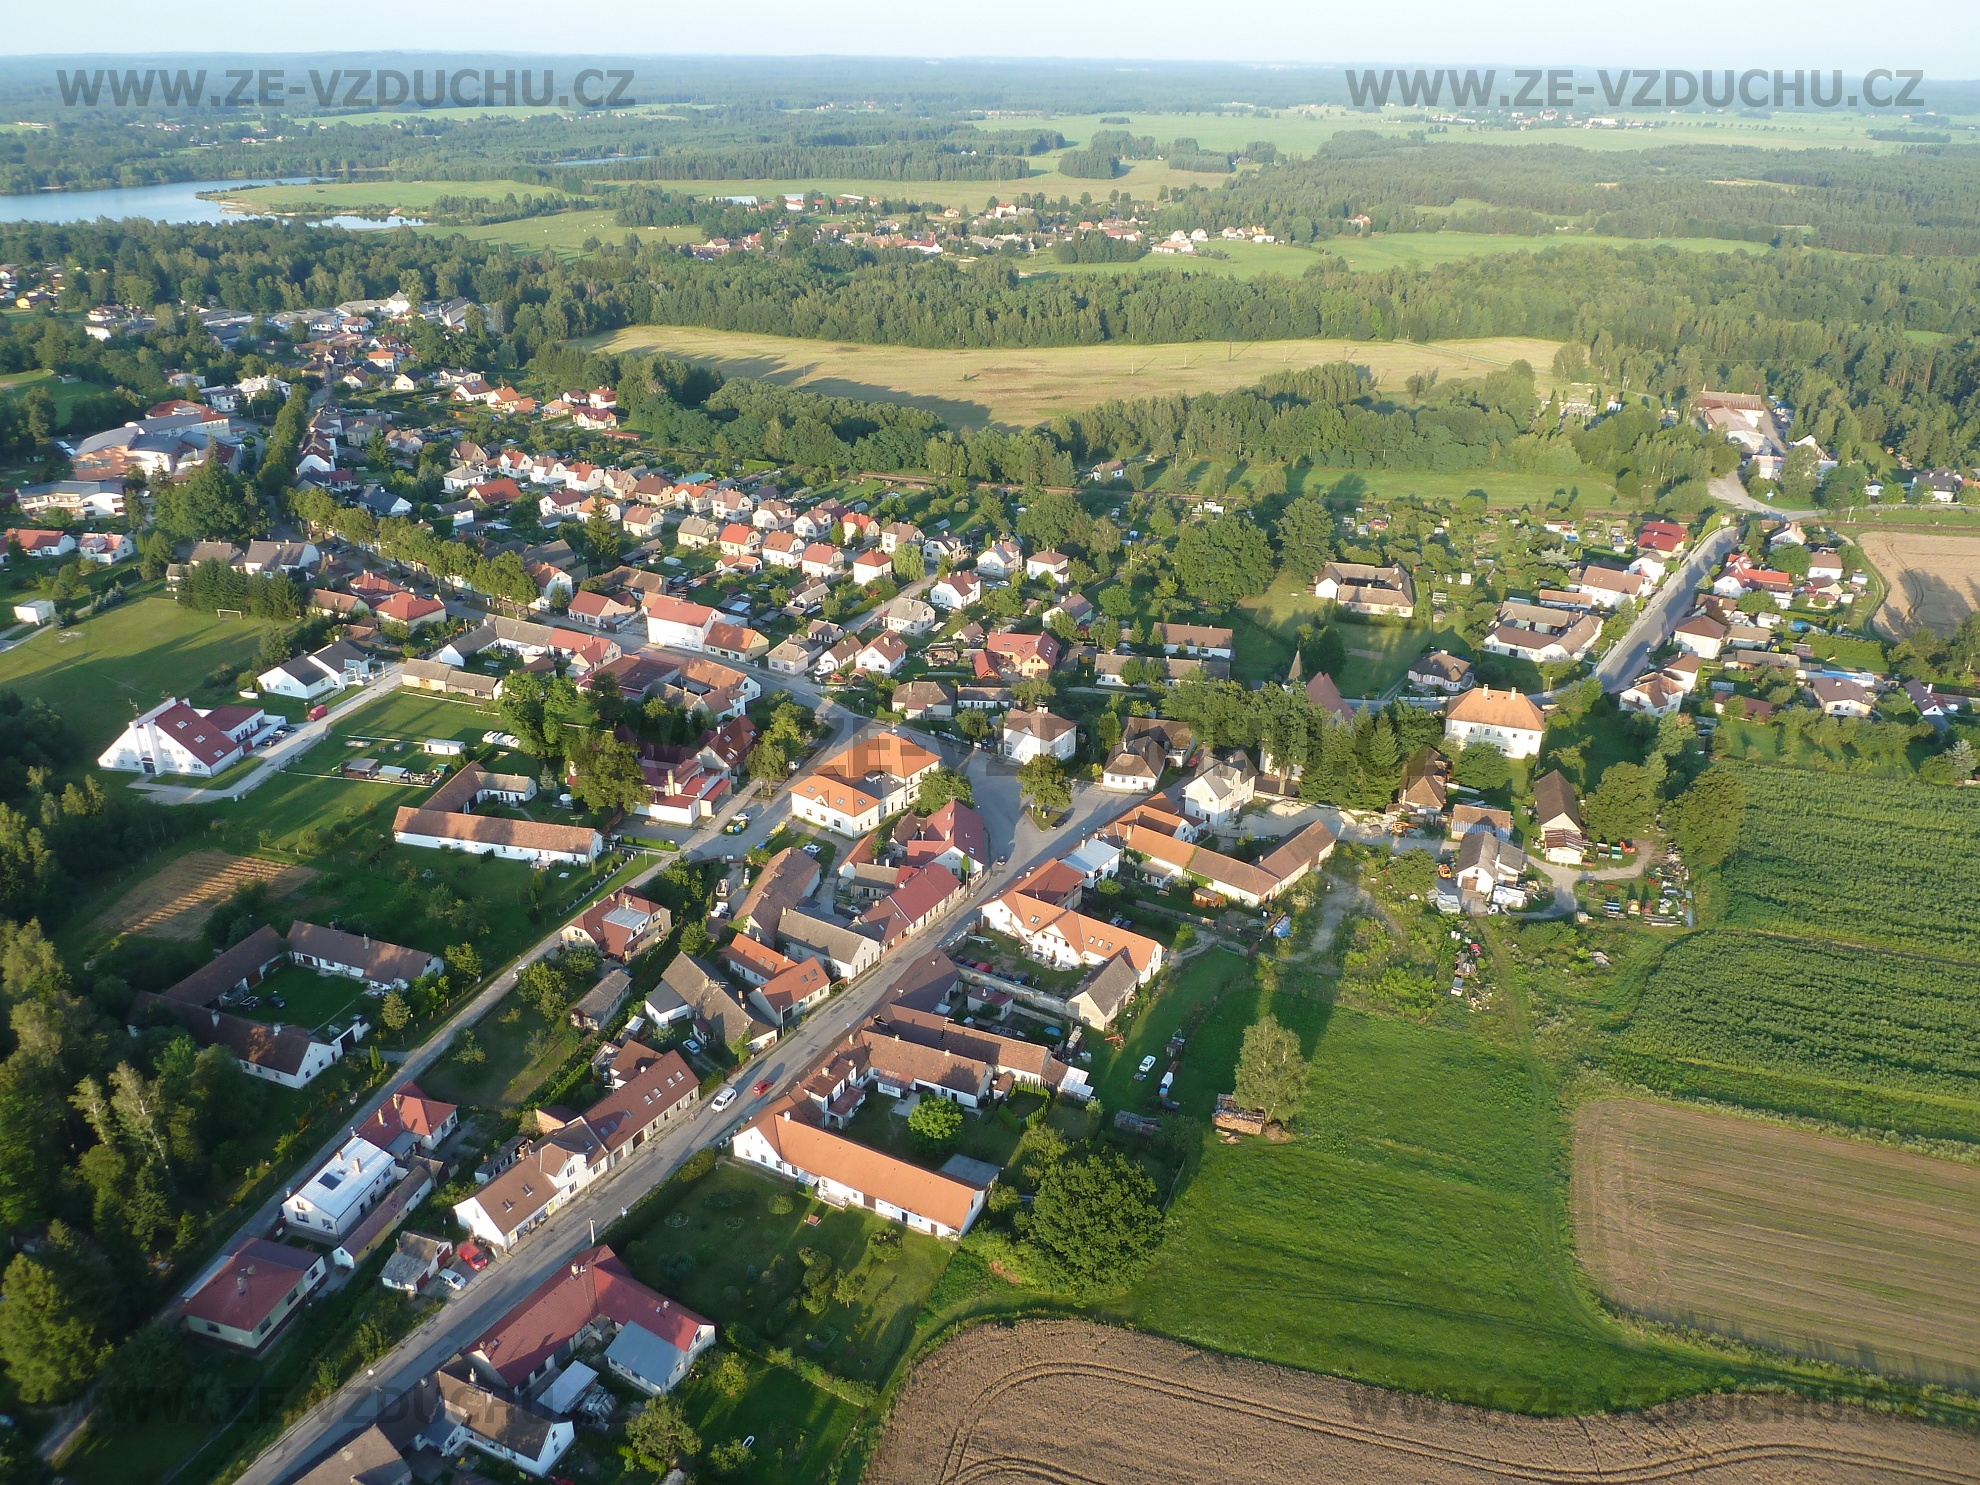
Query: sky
x=1936, y=35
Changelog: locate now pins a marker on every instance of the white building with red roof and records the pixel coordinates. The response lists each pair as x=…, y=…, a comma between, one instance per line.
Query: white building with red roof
x=676, y=622
x=251, y=1292
x=173, y=737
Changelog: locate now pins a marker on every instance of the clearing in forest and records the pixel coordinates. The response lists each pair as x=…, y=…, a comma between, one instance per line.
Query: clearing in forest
x=1929, y=578
x=1019, y=387
x=1808, y=1242
x=1064, y=1401
x=175, y=901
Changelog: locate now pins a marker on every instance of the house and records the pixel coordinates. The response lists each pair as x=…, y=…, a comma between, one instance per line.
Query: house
x=43, y=545
x=278, y=1053
x=695, y=532
x=251, y=1292
x=1326, y=696
x=843, y=1173
x=331, y=1202
x=1661, y=538
x=449, y=680
x=1221, y=790
x=882, y=655
x=870, y=567
x=654, y=1340
x=1544, y=646
x=446, y=822
x=416, y=1181
x=908, y=616
x=105, y=548
x=1932, y=707
x=1030, y=655
x=921, y=896
x=676, y=623
x=735, y=642
x=331, y=668
x=1052, y=567
x=958, y=590
x=1942, y=486
x=823, y=560
x=599, y=610
x=381, y=966
x=1001, y=561
x=620, y=926
x=919, y=699
x=1507, y=720
x=175, y=738
x=900, y=534
x=1840, y=697
x=714, y=1008
x=1485, y=864
x=852, y=791
x=1202, y=640
x=1466, y=818
x=848, y=951
x=1609, y=586
x=1557, y=819
x=1653, y=694
x=409, y=1121
x=415, y=1259
x=1040, y=734
x=460, y=1413
x=1824, y=566
x=1363, y=589
x=1701, y=635
x=1067, y=939
x=783, y=549
x=953, y=836
x=1439, y=670
x=594, y=1010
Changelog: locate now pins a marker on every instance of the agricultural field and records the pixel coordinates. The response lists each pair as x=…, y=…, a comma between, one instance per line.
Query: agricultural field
x=1888, y=863
x=1810, y=1243
x=970, y=388
x=100, y=673
x=1384, y=250
x=1933, y=580
x=1877, y=1039
x=1002, y=1405
x=175, y=901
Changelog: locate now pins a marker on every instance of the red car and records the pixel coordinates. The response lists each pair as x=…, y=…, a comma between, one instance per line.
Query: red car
x=762, y=1087
x=473, y=1257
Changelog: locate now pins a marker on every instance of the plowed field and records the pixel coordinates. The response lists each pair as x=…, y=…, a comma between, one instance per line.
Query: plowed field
x=1064, y=1401
x=1932, y=579
x=175, y=901
x=1808, y=1242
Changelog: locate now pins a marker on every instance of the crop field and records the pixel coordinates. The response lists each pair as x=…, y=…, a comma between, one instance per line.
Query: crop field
x=970, y=388
x=1408, y=1237
x=1933, y=580
x=103, y=671
x=1013, y=1405
x=1806, y=1242
x=175, y=902
x=1885, y=862
x=1879, y=1039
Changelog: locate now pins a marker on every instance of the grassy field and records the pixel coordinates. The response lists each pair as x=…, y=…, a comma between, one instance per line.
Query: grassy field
x=720, y=1246
x=517, y=1055
x=1410, y=1236
x=1814, y=1244
x=103, y=671
x=970, y=388
x=1378, y=656
x=1428, y=249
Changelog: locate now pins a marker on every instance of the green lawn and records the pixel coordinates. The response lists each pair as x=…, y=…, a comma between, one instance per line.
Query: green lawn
x=1411, y=1236
x=1378, y=655
x=103, y=671
x=517, y=1055
x=1512, y=487
x=1180, y=1002
x=313, y=1000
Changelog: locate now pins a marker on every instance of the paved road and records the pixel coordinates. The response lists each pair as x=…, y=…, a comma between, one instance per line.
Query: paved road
x=1727, y=490
x=306, y=736
x=558, y=1240
x=1666, y=610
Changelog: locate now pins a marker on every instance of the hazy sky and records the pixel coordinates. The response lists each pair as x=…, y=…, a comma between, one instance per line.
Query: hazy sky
x=1936, y=35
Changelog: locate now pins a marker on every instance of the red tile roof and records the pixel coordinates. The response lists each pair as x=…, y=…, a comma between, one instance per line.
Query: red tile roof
x=251, y=1284
x=593, y=1284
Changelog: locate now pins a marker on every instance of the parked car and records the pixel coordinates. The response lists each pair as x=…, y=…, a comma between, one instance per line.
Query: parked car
x=762, y=1087
x=723, y=1099
x=691, y=1044
x=1147, y=1067
x=451, y=1279
x=811, y=848
x=472, y=1255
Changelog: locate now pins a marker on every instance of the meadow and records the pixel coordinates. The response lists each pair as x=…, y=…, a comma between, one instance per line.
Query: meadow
x=1889, y=863
x=1021, y=387
x=1822, y=1246
x=102, y=672
x=1409, y=1236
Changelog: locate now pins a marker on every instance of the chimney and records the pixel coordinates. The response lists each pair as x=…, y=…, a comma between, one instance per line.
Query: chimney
x=240, y=1283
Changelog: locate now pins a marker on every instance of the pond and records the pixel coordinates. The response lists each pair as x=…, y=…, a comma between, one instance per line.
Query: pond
x=179, y=201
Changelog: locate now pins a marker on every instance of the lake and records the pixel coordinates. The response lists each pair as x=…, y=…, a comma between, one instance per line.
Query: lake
x=177, y=202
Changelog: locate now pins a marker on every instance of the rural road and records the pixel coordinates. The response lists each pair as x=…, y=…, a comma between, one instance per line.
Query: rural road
x=365, y=1398
x=1727, y=490
x=1666, y=609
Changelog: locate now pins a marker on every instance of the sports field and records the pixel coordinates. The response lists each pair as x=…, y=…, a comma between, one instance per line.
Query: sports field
x=1814, y=1244
x=103, y=671
x=970, y=388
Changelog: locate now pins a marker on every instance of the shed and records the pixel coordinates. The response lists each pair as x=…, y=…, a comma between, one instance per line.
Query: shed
x=571, y=1384
x=444, y=747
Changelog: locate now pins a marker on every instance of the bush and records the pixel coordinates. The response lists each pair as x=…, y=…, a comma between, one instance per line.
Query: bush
x=935, y=1126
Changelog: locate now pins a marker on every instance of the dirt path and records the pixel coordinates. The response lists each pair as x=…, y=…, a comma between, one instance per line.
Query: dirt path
x=1068, y=1403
